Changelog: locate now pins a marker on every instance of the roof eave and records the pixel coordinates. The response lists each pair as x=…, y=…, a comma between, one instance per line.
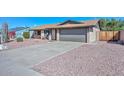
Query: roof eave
x=60, y=27
x=73, y=27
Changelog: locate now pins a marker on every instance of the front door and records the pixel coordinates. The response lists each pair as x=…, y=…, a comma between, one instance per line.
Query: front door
x=46, y=34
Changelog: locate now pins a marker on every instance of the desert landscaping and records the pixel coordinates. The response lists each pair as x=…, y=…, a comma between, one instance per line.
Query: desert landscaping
x=100, y=59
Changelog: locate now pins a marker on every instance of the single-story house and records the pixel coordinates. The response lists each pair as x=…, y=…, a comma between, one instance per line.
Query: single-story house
x=79, y=31
x=19, y=31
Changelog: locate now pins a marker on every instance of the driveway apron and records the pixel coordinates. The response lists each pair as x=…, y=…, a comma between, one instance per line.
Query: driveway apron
x=19, y=61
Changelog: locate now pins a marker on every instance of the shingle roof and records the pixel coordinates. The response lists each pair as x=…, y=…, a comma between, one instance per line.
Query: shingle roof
x=17, y=29
x=44, y=27
x=81, y=24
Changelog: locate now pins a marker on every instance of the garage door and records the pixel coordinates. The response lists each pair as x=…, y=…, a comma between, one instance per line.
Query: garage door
x=77, y=35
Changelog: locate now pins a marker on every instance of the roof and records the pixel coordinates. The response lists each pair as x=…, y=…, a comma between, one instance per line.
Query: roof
x=18, y=29
x=67, y=24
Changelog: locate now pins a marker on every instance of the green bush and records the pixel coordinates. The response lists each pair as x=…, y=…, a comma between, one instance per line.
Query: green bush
x=19, y=39
x=26, y=35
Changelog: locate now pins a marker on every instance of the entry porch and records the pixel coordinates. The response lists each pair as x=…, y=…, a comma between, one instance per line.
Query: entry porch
x=49, y=34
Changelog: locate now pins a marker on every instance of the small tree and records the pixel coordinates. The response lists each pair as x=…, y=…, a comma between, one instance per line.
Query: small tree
x=26, y=35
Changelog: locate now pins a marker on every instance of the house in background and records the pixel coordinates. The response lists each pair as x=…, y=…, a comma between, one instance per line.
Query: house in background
x=18, y=31
x=79, y=31
x=11, y=35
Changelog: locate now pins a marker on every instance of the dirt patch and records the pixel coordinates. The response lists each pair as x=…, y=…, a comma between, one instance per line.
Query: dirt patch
x=27, y=42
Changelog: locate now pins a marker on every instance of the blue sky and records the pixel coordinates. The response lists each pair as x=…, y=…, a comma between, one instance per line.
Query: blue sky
x=35, y=21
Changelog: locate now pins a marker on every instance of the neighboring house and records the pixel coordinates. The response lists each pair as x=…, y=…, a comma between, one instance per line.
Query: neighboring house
x=80, y=31
x=19, y=31
x=11, y=35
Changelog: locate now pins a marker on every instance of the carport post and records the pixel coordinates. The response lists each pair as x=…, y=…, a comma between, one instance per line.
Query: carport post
x=42, y=34
x=50, y=35
x=57, y=34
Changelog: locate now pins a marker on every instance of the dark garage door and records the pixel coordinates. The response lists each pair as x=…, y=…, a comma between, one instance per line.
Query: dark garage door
x=76, y=35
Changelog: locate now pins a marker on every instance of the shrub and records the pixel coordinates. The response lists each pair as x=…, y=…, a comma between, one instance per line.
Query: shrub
x=19, y=39
x=26, y=35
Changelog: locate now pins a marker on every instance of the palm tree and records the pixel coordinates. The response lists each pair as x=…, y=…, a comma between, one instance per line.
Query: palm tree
x=108, y=25
x=102, y=24
x=120, y=25
x=114, y=24
x=111, y=24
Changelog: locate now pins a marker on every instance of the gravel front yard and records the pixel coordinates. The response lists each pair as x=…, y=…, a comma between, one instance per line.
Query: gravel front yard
x=27, y=42
x=104, y=59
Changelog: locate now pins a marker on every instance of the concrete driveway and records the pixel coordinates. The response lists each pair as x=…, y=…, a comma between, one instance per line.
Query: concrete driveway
x=18, y=62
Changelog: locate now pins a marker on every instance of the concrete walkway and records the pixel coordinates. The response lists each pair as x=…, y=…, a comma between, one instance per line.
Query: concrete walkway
x=18, y=61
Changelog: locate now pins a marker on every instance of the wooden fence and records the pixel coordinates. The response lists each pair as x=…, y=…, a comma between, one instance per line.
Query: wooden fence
x=109, y=35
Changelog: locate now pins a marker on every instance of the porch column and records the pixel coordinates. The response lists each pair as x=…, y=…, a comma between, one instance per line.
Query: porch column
x=58, y=34
x=42, y=34
x=50, y=36
x=36, y=34
x=88, y=36
x=53, y=34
